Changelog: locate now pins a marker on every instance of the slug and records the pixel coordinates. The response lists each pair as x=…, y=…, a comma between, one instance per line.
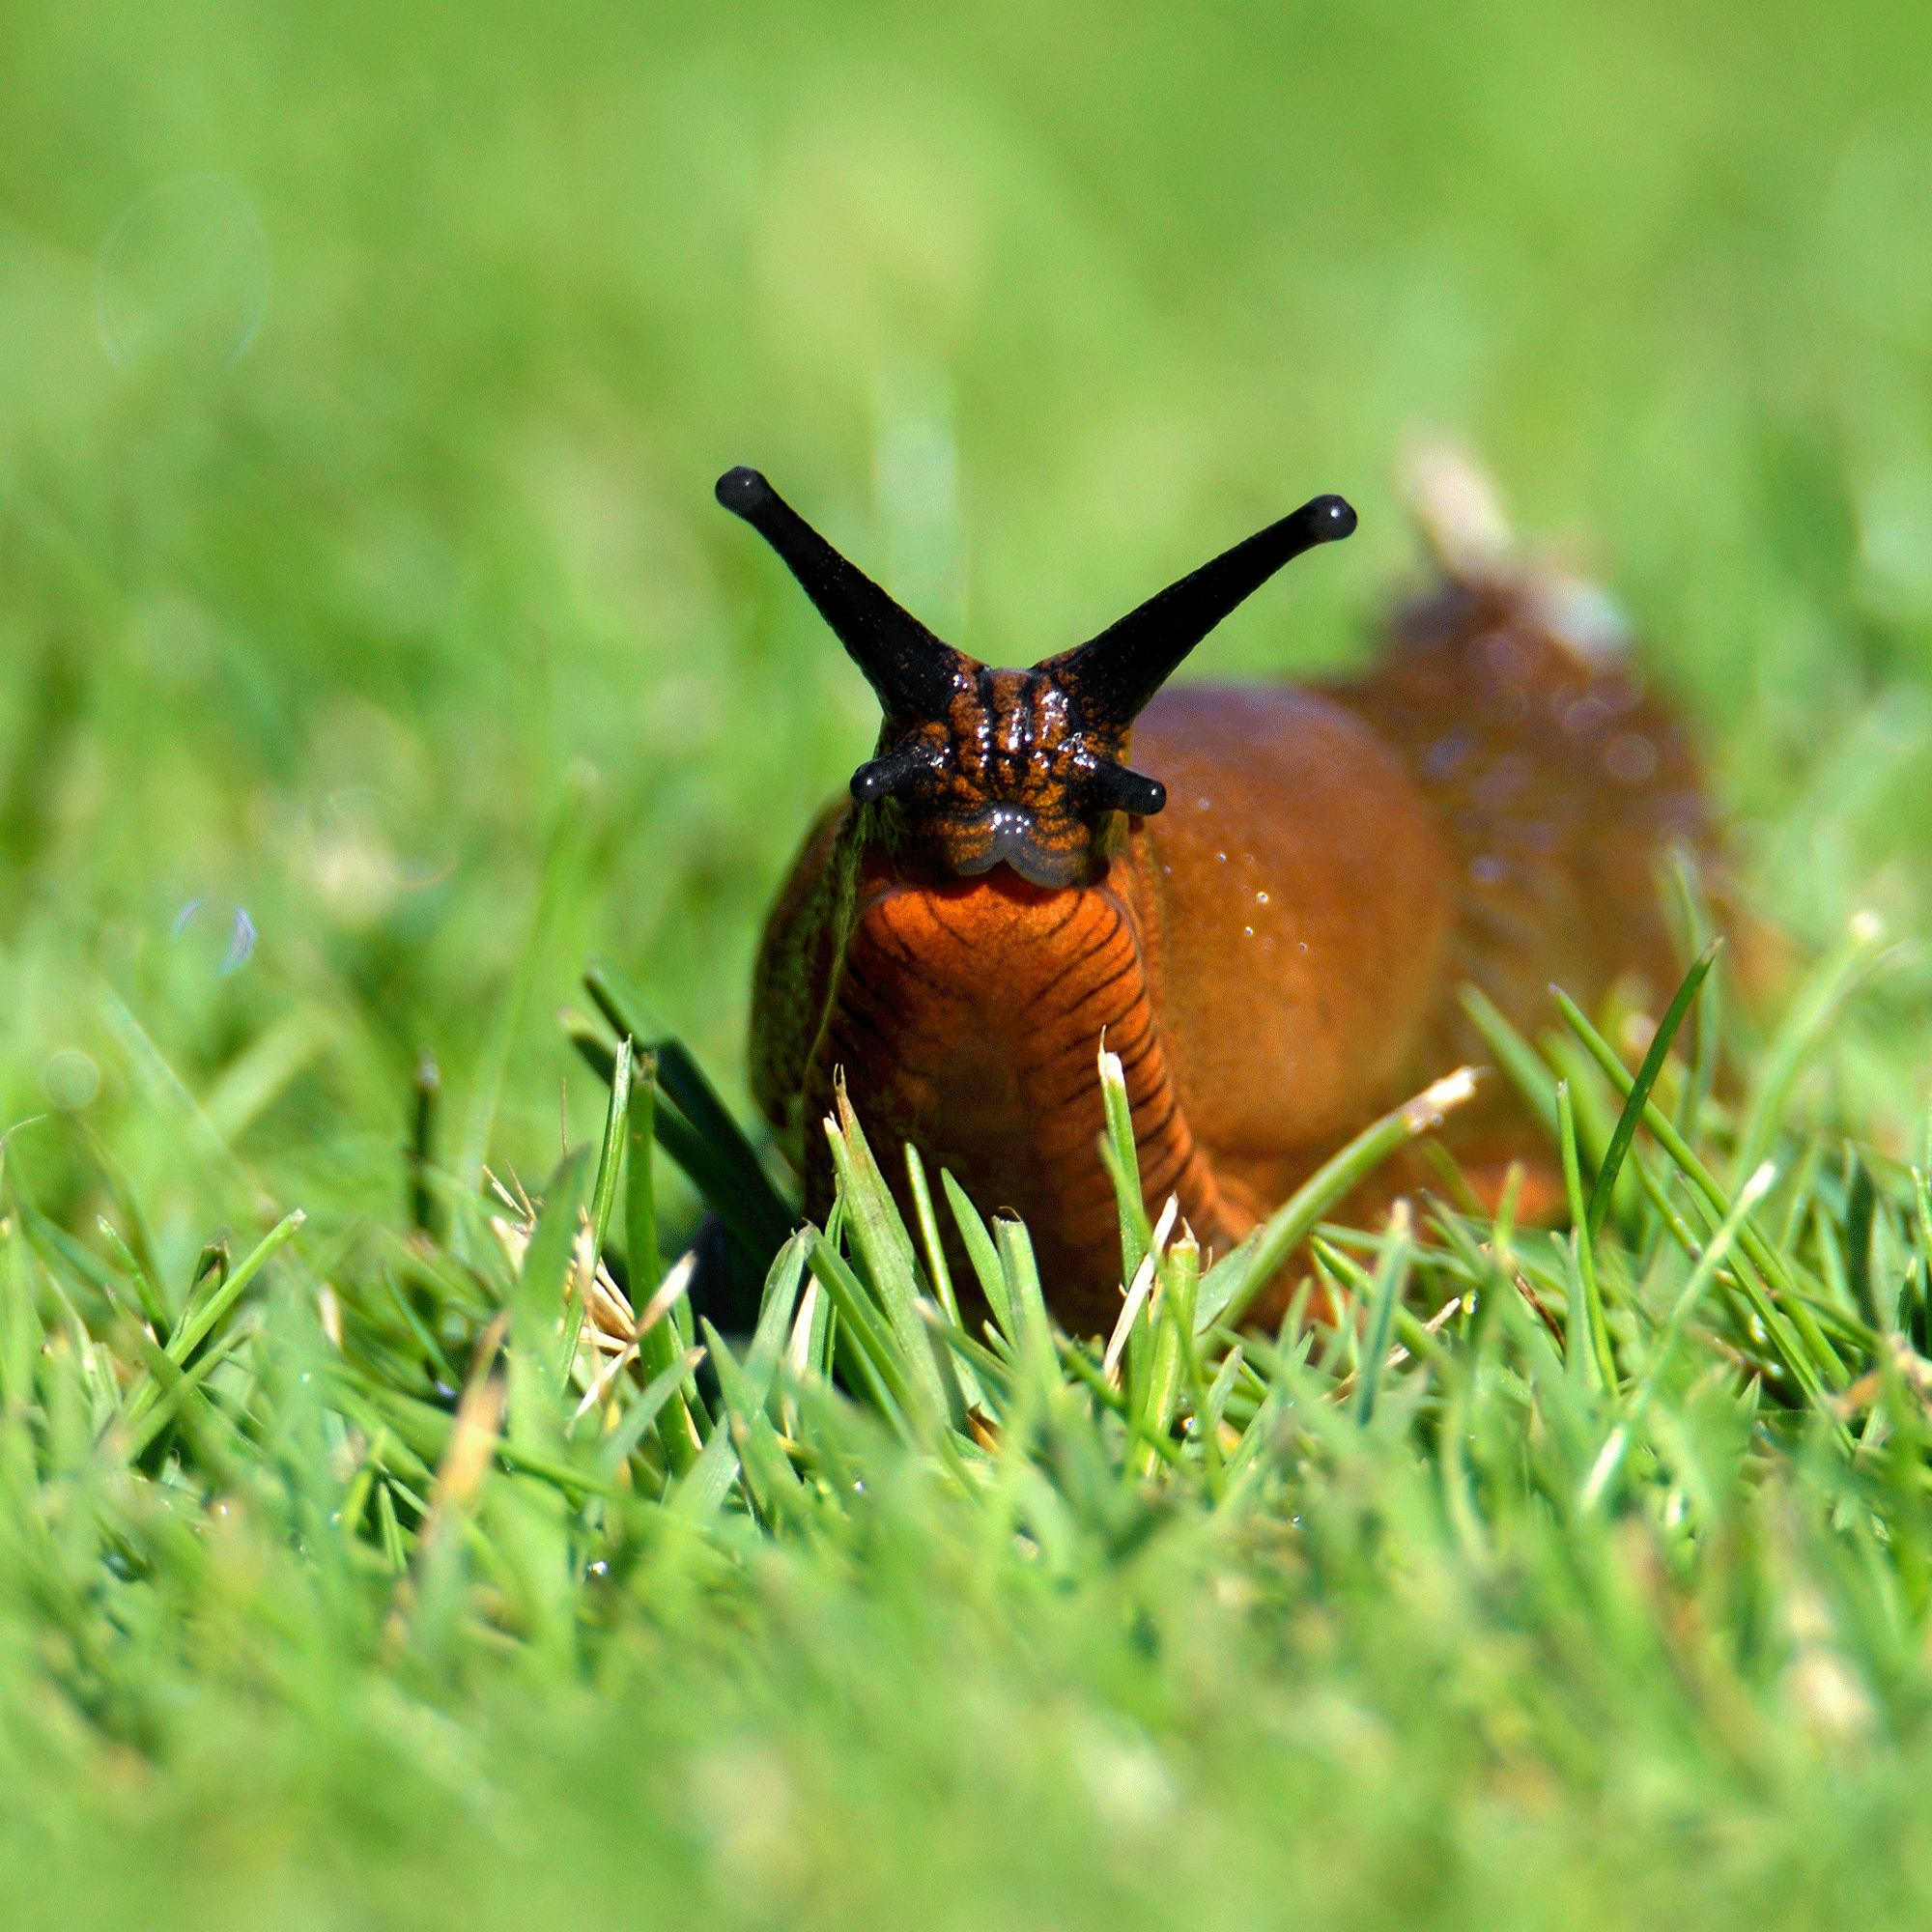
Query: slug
x=1267, y=898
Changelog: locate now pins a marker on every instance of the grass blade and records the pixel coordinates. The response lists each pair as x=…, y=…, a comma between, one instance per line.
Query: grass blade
x=714, y=1150
x=877, y=1233
x=1597, y=1337
x=649, y=1402
x=1639, y=1097
x=658, y=1347
x=536, y=1302
x=610, y=1158
x=984, y=1256
x=149, y=1297
x=939, y=1275
x=201, y=1315
x=1521, y=1063
x=480, y=1121
x=874, y=1343
x=1234, y=1281
x=1122, y=1158
x=744, y=1441
x=1391, y=1279
x=1810, y=1361
x=1834, y=976
x=1610, y=1457
x=1024, y=1294
x=603, y=1198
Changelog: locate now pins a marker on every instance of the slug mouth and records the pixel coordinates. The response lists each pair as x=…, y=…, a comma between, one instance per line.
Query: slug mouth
x=1012, y=836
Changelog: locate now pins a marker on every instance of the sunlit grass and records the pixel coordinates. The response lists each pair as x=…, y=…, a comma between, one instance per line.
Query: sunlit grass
x=1610, y=1545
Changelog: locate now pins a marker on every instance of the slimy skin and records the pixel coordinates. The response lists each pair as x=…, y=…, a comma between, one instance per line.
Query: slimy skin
x=1273, y=943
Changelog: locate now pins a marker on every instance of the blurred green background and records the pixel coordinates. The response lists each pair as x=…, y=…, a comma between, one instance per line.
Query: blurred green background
x=364, y=372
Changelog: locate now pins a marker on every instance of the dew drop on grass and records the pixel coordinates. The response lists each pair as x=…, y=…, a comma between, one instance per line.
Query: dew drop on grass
x=72, y=1080
x=183, y=277
x=241, y=944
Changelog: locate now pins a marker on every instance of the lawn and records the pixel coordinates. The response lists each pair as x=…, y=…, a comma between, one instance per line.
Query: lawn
x=373, y=657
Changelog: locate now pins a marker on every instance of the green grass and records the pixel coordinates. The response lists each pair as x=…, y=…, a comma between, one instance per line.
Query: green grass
x=362, y=387
x=1604, y=1590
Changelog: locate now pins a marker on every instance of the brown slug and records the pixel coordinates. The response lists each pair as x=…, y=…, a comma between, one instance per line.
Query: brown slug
x=1265, y=898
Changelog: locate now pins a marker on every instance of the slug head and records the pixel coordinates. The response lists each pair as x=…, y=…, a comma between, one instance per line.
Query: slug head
x=976, y=767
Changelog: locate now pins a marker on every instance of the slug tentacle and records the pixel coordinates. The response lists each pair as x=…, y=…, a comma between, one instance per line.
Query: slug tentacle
x=1115, y=674
x=912, y=671
x=912, y=764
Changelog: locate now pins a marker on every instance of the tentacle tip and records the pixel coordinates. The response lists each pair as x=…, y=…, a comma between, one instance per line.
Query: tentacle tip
x=892, y=771
x=742, y=491
x=1331, y=518
x=1119, y=789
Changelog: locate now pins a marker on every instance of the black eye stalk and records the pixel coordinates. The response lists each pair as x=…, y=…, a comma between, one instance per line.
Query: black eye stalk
x=913, y=674
x=1113, y=788
x=1107, y=681
x=1116, y=673
x=897, y=772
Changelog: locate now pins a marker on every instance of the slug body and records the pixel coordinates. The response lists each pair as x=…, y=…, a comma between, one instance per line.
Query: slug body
x=1269, y=927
